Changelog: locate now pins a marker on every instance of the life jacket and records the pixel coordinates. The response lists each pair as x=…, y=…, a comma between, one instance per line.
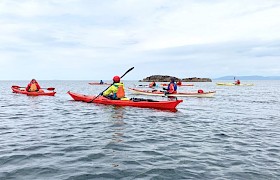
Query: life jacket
x=33, y=87
x=174, y=86
x=120, y=92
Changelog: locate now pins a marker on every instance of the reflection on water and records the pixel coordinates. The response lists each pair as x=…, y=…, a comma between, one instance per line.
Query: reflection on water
x=117, y=123
x=118, y=112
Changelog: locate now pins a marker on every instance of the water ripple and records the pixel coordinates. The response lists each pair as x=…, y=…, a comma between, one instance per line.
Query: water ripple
x=234, y=135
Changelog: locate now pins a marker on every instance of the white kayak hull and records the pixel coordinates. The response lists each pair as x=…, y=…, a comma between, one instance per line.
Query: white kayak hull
x=160, y=93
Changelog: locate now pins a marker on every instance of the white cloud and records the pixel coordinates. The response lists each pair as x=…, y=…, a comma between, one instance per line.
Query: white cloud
x=89, y=35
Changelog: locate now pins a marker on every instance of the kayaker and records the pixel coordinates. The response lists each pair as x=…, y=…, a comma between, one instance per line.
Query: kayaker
x=33, y=86
x=101, y=82
x=152, y=84
x=116, y=90
x=171, y=88
x=179, y=83
x=237, y=82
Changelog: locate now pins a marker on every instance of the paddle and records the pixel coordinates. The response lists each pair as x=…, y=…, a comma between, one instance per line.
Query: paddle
x=50, y=88
x=110, y=85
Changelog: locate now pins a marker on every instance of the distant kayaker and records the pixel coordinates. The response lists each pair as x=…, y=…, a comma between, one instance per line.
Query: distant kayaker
x=101, y=82
x=172, y=87
x=116, y=90
x=152, y=84
x=179, y=83
x=33, y=86
x=237, y=82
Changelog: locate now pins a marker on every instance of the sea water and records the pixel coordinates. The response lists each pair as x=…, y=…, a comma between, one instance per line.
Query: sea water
x=234, y=135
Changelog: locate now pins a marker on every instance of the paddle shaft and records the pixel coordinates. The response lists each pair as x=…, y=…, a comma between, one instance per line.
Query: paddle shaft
x=110, y=85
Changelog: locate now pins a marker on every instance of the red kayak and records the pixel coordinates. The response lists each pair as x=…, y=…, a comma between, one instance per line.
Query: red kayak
x=39, y=93
x=178, y=85
x=96, y=83
x=136, y=102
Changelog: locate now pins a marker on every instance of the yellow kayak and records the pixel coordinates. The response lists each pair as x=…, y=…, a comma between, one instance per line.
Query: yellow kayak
x=233, y=84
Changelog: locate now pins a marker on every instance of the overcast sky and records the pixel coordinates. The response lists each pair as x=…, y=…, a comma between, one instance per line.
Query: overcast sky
x=97, y=39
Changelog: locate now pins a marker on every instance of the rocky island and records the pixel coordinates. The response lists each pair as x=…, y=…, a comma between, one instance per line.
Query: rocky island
x=165, y=78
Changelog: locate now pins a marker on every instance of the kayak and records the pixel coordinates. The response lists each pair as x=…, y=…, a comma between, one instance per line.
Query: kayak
x=178, y=85
x=135, y=102
x=144, y=86
x=233, y=84
x=96, y=83
x=23, y=91
x=161, y=93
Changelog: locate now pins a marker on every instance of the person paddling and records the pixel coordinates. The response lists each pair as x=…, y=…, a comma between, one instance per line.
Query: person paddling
x=237, y=82
x=152, y=84
x=33, y=86
x=116, y=90
x=171, y=88
x=179, y=83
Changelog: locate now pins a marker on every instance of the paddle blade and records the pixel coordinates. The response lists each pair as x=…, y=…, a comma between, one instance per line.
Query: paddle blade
x=50, y=88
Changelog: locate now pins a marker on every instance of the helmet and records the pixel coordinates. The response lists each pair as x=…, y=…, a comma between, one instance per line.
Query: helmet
x=172, y=80
x=116, y=79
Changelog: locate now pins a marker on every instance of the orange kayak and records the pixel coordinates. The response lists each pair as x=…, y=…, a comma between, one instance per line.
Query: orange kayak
x=23, y=91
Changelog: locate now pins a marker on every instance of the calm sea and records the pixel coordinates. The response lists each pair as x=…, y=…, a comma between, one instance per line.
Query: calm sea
x=235, y=135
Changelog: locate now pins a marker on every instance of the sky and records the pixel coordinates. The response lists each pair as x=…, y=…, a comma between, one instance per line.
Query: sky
x=96, y=39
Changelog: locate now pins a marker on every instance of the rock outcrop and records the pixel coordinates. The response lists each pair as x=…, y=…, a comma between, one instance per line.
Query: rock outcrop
x=196, y=79
x=166, y=78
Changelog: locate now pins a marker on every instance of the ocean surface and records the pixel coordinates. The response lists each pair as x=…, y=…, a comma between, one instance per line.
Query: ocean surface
x=235, y=135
